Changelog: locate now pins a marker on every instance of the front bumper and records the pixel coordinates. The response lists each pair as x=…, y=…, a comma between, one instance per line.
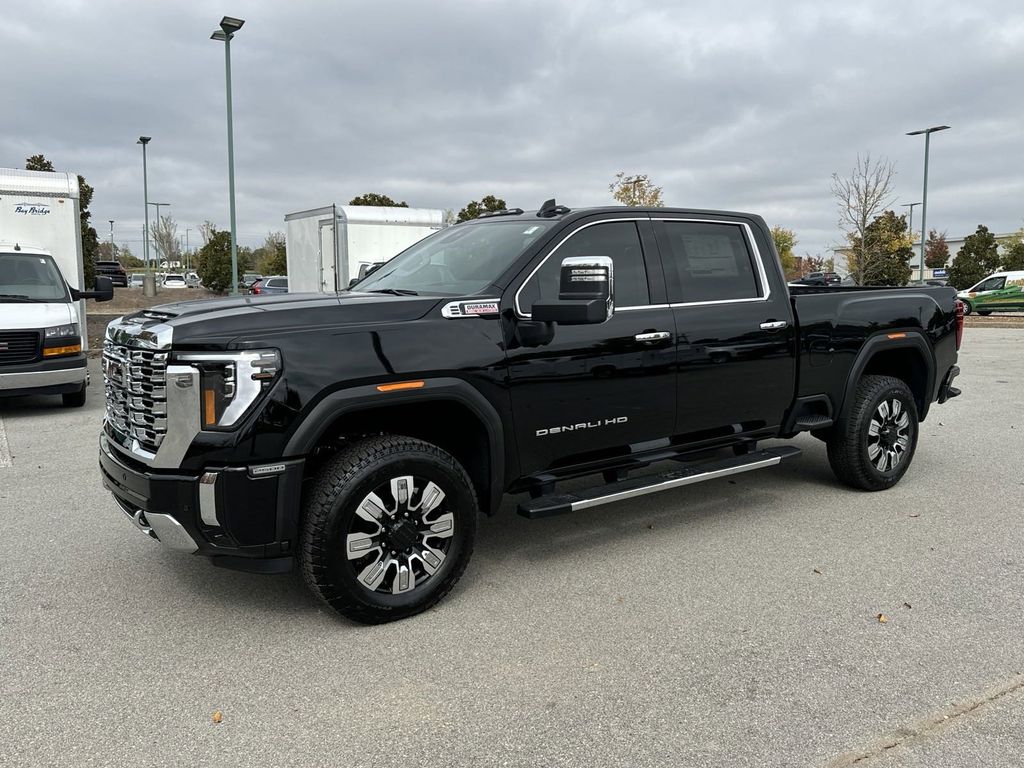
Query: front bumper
x=56, y=376
x=231, y=513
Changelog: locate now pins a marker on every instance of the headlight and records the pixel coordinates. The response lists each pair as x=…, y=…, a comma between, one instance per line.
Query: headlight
x=62, y=340
x=231, y=382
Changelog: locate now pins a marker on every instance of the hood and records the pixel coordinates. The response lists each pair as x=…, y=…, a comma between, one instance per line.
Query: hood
x=221, y=321
x=17, y=316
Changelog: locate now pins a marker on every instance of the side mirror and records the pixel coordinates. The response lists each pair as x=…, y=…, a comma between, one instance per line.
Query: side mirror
x=102, y=291
x=586, y=293
x=353, y=281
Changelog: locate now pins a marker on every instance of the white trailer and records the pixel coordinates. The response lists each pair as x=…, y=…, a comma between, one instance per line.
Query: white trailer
x=319, y=261
x=43, y=337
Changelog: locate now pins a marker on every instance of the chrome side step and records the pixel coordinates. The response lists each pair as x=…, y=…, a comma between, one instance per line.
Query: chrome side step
x=560, y=504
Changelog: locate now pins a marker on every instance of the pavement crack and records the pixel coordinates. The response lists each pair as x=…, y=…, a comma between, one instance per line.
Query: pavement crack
x=927, y=725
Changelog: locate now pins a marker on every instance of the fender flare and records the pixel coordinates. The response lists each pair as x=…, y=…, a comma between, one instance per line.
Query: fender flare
x=354, y=399
x=881, y=342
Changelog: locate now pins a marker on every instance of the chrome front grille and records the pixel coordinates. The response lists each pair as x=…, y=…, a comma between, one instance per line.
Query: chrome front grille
x=135, y=384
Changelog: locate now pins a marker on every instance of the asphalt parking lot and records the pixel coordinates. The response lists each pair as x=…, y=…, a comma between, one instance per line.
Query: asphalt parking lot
x=733, y=623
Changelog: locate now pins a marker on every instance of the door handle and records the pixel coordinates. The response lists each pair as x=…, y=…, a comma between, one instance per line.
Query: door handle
x=653, y=336
x=774, y=325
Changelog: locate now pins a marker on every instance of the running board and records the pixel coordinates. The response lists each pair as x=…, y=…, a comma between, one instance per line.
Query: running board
x=561, y=503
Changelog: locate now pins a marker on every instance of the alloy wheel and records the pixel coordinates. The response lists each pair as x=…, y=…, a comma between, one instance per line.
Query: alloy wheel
x=888, y=435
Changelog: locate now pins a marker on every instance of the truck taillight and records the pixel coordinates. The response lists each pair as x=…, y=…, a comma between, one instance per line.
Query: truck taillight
x=959, y=323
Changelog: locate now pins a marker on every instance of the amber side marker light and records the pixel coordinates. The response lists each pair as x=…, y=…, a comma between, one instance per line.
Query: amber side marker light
x=209, y=408
x=897, y=335
x=399, y=386
x=69, y=350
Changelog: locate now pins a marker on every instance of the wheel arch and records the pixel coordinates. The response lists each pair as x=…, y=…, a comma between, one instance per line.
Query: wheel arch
x=908, y=357
x=458, y=420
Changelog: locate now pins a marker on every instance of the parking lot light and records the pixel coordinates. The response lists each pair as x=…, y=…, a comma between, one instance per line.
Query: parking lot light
x=924, y=195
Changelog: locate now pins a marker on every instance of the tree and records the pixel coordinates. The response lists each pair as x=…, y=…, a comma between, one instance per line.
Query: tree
x=488, y=204
x=978, y=258
x=271, y=257
x=860, y=199
x=785, y=241
x=883, y=255
x=636, y=190
x=1013, y=253
x=90, y=242
x=373, y=198
x=936, y=251
x=128, y=259
x=165, y=240
x=206, y=230
x=215, y=262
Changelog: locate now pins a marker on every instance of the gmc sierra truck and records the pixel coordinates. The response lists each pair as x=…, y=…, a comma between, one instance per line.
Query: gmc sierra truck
x=359, y=434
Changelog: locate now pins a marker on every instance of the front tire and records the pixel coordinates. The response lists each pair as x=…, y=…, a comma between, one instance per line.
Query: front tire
x=874, y=446
x=388, y=528
x=74, y=399
x=968, y=307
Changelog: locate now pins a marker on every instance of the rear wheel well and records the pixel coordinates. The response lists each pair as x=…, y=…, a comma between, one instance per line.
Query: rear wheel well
x=907, y=364
x=449, y=425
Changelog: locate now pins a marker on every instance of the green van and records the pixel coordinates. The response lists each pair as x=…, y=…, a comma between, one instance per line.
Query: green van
x=1001, y=291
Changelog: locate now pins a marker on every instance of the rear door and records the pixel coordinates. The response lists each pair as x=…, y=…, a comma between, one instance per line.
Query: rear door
x=735, y=340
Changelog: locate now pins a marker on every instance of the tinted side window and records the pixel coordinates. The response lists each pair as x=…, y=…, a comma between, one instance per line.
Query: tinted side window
x=618, y=240
x=712, y=260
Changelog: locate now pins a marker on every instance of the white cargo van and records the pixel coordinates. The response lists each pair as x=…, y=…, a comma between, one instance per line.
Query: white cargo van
x=43, y=337
x=1001, y=291
x=328, y=247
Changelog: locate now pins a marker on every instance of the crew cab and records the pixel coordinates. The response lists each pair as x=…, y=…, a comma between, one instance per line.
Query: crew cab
x=358, y=434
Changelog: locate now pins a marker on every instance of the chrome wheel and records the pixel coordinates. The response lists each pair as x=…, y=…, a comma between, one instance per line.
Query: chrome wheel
x=888, y=435
x=400, y=535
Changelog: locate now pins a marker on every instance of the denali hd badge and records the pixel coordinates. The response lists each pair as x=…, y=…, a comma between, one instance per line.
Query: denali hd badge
x=582, y=425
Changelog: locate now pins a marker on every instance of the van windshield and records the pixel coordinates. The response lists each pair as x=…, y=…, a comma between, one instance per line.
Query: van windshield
x=458, y=261
x=30, y=277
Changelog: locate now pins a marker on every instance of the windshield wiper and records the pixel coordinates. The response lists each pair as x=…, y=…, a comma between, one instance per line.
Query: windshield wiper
x=395, y=291
x=16, y=297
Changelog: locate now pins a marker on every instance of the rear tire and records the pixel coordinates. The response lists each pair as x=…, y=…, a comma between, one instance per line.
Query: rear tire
x=874, y=445
x=968, y=308
x=984, y=312
x=387, y=529
x=74, y=399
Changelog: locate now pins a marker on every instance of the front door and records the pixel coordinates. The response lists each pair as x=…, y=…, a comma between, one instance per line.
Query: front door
x=593, y=390
x=736, y=344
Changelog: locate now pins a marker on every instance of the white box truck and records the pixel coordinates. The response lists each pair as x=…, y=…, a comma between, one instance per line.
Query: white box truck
x=43, y=338
x=327, y=247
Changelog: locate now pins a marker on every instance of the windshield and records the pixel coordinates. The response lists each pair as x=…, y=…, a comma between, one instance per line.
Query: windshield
x=458, y=261
x=30, y=277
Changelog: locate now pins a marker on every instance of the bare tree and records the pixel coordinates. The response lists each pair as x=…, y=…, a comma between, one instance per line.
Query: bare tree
x=165, y=239
x=860, y=198
x=206, y=230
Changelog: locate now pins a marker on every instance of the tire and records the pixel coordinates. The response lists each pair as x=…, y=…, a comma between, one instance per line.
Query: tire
x=968, y=308
x=984, y=312
x=363, y=484
x=74, y=399
x=874, y=445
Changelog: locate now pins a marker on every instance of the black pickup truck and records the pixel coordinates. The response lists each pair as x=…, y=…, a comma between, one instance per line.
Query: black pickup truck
x=358, y=434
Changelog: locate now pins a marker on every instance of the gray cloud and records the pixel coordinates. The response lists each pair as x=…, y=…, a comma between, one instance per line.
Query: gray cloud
x=741, y=105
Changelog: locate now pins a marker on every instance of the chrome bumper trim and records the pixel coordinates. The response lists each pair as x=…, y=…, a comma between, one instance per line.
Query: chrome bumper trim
x=29, y=379
x=208, y=498
x=162, y=528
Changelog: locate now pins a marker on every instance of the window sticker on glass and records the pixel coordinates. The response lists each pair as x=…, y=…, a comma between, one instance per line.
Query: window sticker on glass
x=710, y=255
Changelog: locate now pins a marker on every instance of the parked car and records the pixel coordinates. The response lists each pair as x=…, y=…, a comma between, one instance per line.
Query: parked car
x=270, y=285
x=136, y=280
x=999, y=291
x=192, y=280
x=359, y=435
x=248, y=278
x=113, y=269
x=819, y=278
x=174, y=280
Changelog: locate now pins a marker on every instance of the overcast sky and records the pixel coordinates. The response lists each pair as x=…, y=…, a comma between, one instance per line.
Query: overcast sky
x=739, y=105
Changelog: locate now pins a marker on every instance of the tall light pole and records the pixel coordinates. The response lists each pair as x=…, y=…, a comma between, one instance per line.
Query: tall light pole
x=188, y=253
x=158, y=206
x=112, y=256
x=228, y=27
x=924, y=195
x=144, y=140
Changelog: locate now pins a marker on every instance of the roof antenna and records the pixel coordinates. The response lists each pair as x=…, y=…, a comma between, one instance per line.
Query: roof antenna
x=17, y=247
x=551, y=208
